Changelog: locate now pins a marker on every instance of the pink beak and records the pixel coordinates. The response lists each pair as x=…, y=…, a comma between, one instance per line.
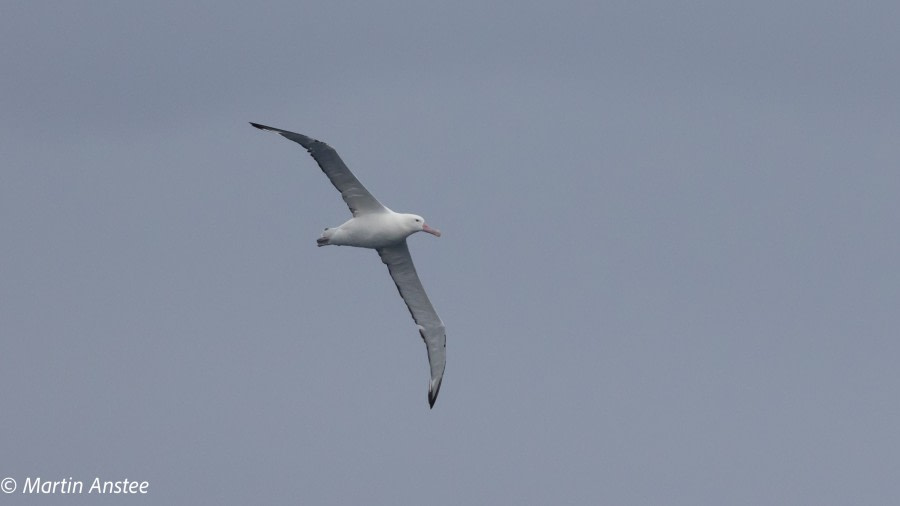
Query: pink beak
x=432, y=231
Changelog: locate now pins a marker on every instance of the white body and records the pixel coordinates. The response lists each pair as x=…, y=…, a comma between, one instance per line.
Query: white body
x=375, y=231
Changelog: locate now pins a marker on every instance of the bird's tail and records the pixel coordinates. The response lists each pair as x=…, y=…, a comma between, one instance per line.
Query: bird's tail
x=325, y=240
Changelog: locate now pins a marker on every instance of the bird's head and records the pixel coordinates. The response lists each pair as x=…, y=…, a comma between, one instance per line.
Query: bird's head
x=416, y=223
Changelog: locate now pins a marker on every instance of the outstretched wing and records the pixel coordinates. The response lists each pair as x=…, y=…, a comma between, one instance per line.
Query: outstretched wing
x=431, y=328
x=358, y=199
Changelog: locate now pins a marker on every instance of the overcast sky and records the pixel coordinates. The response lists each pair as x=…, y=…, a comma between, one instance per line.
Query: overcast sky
x=669, y=269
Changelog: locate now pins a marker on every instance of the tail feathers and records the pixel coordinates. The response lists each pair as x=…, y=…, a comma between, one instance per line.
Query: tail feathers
x=325, y=240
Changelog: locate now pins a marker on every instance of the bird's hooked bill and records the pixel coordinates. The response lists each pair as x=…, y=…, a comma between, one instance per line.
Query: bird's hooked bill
x=433, y=231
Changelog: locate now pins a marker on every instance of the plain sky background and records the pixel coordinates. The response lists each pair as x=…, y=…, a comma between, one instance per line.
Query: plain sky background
x=669, y=269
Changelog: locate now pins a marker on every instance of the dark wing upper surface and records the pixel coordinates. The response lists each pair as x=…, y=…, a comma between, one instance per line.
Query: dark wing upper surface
x=358, y=199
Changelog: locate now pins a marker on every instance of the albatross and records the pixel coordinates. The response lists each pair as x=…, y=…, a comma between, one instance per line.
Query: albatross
x=375, y=226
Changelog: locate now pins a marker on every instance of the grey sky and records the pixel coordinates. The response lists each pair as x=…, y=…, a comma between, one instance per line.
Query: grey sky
x=668, y=270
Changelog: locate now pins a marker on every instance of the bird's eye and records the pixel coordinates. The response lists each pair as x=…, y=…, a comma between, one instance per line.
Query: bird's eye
x=418, y=220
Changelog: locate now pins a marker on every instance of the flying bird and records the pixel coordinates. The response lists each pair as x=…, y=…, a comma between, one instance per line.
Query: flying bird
x=375, y=226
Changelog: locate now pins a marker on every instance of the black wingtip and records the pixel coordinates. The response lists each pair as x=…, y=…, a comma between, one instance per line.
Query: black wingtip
x=433, y=390
x=261, y=127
